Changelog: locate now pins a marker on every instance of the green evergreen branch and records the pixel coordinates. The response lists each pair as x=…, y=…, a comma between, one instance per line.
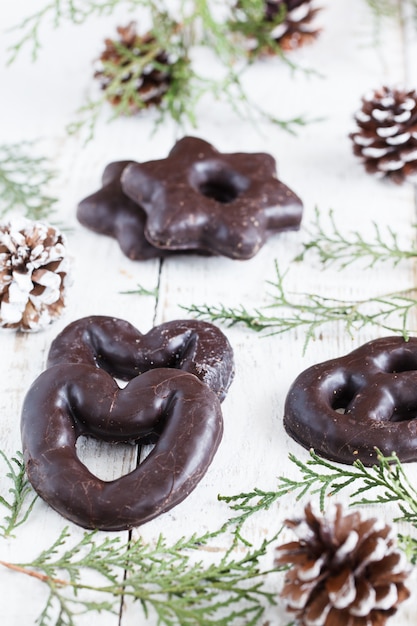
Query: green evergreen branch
x=19, y=505
x=195, y=24
x=23, y=179
x=171, y=580
x=390, y=9
x=56, y=12
x=186, y=88
x=384, y=8
x=181, y=590
x=142, y=291
x=333, y=246
x=311, y=311
x=386, y=482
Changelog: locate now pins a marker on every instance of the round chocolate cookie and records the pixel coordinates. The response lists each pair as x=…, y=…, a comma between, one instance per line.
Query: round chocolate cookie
x=347, y=407
x=178, y=373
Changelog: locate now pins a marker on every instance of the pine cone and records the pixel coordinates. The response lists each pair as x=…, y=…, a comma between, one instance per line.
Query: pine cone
x=294, y=27
x=387, y=137
x=346, y=570
x=142, y=83
x=297, y=27
x=33, y=275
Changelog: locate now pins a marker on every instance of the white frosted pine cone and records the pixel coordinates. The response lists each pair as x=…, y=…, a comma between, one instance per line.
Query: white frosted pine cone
x=386, y=138
x=33, y=274
x=344, y=570
x=297, y=28
x=281, y=25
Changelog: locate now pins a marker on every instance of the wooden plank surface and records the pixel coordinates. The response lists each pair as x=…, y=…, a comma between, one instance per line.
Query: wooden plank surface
x=40, y=99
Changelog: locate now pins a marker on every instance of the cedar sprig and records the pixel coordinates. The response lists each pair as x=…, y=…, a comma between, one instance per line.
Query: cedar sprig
x=391, y=9
x=169, y=579
x=56, y=12
x=334, y=246
x=142, y=291
x=386, y=482
x=195, y=23
x=196, y=15
x=186, y=87
x=313, y=481
x=24, y=178
x=163, y=577
x=384, y=8
x=312, y=311
x=19, y=503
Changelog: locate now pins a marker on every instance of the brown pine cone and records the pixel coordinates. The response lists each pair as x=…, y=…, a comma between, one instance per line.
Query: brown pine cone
x=285, y=25
x=346, y=570
x=134, y=69
x=298, y=27
x=386, y=140
x=33, y=275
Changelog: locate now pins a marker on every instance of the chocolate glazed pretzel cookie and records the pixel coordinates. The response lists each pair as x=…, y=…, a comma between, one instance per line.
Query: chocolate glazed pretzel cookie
x=162, y=402
x=346, y=407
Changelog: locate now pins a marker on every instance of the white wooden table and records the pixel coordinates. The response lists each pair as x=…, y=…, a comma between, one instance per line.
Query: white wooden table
x=39, y=99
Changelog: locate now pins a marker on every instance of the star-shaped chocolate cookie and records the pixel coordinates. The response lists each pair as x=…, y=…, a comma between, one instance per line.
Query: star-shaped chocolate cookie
x=199, y=198
x=110, y=212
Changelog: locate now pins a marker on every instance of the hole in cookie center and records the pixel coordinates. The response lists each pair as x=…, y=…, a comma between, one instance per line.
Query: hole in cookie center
x=398, y=361
x=214, y=180
x=341, y=399
x=107, y=461
x=403, y=414
x=343, y=396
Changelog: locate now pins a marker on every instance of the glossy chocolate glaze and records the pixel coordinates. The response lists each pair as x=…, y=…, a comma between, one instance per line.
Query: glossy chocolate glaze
x=225, y=204
x=71, y=399
x=123, y=351
x=346, y=407
x=110, y=212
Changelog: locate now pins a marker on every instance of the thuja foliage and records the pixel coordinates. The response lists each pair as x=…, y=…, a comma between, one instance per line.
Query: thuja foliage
x=172, y=580
x=162, y=578
x=400, y=11
x=195, y=23
x=333, y=245
x=201, y=14
x=385, y=482
x=24, y=178
x=142, y=291
x=383, y=8
x=190, y=581
x=391, y=8
x=17, y=503
x=311, y=311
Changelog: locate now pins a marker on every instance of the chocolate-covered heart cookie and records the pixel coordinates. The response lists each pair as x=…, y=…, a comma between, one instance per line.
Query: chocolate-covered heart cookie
x=69, y=400
x=177, y=373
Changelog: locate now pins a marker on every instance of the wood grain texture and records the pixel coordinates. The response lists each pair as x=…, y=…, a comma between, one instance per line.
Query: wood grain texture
x=39, y=100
